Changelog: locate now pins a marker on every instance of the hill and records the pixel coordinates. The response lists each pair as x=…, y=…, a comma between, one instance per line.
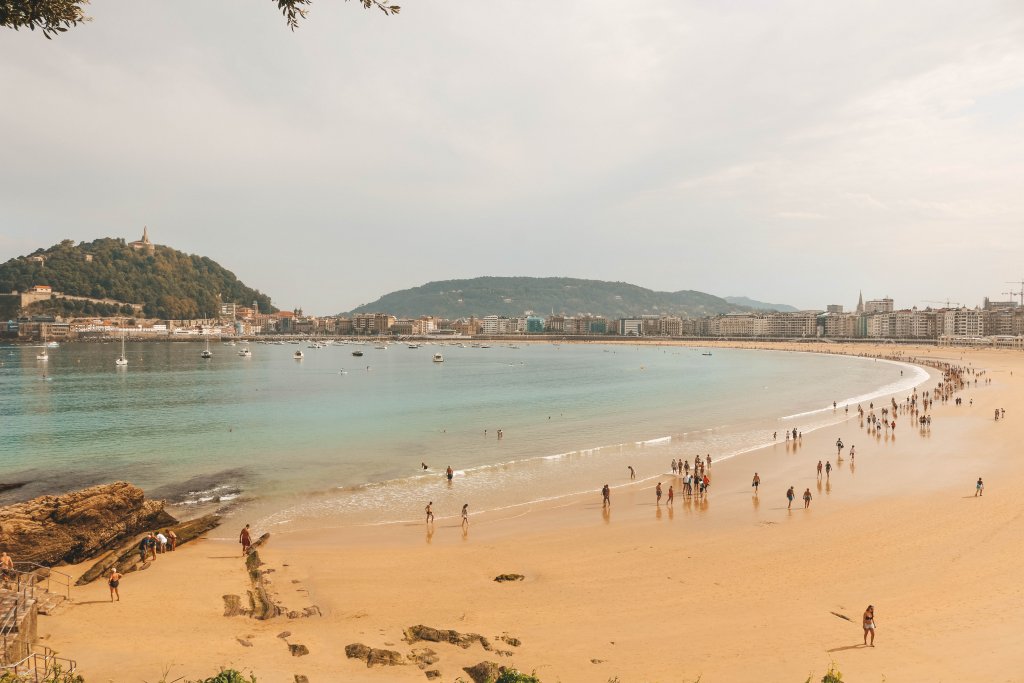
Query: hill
x=512, y=296
x=760, y=305
x=166, y=282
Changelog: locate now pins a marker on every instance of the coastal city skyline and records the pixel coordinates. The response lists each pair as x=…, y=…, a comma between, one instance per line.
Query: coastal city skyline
x=742, y=150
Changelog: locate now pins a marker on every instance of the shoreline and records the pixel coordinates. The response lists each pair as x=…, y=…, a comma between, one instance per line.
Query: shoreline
x=626, y=589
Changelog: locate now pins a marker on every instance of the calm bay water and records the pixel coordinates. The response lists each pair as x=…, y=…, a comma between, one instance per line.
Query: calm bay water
x=336, y=433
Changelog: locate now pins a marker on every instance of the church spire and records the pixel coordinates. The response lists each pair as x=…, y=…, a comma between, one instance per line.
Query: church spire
x=860, y=302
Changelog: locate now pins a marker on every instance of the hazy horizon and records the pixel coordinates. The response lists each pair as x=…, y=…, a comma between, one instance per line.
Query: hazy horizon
x=796, y=153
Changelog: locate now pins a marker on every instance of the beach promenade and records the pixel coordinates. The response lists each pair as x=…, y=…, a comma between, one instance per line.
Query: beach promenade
x=732, y=588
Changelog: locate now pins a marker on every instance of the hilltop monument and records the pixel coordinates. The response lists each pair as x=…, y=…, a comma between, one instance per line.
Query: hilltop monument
x=143, y=244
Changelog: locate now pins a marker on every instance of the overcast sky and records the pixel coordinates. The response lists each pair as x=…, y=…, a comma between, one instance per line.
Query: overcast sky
x=791, y=152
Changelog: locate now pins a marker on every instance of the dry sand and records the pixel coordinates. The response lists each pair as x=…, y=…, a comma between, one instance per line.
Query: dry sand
x=734, y=589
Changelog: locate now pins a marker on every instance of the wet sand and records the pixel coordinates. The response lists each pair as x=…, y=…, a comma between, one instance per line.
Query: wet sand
x=735, y=588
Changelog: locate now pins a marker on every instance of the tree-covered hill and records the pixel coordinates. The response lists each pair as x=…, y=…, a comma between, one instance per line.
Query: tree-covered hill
x=512, y=296
x=168, y=283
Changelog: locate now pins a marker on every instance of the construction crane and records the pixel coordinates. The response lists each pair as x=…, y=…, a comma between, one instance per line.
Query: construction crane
x=1019, y=292
x=1012, y=294
x=946, y=304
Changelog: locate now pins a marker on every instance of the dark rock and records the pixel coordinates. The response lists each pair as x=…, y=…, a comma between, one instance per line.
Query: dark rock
x=432, y=674
x=372, y=655
x=514, y=642
x=502, y=578
x=424, y=658
x=126, y=556
x=298, y=650
x=484, y=672
x=76, y=526
x=464, y=640
x=284, y=634
x=597, y=661
x=301, y=679
x=262, y=541
x=243, y=642
x=233, y=606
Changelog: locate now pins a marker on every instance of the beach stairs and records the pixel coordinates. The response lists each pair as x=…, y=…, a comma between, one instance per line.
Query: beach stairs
x=47, y=602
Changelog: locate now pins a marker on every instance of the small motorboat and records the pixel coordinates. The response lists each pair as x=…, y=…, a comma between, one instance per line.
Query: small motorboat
x=357, y=353
x=438, y=358
x=706, y=353
x=297, y=355
x=245, y=352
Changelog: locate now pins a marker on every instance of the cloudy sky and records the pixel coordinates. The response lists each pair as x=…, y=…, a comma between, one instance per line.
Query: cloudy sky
x=791, y=152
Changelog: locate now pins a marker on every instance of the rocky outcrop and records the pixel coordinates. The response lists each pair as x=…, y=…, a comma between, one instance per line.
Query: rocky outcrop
x=126, y=556
x=464, y=640
x=374, y=656
x=76, y=526
x=484, y=672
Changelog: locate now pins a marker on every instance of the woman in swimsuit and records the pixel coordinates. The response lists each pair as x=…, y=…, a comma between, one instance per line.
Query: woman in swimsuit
x=114, y=580
x=869, y=624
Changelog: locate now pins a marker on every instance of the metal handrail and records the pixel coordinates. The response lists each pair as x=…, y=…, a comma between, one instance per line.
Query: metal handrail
x=30, y=664
x=65, y=579
x=24, y=591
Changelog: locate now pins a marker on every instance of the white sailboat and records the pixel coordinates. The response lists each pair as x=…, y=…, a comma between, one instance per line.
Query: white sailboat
x=122, y=360
x=206, y=352
x=44, y=356
x=245, y=352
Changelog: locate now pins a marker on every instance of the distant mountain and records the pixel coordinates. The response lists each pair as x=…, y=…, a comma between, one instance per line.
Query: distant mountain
x=760, y=305
x=168, y=283
x=512, y=296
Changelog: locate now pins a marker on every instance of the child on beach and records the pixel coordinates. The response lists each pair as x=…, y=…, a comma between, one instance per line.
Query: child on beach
x=979, y=488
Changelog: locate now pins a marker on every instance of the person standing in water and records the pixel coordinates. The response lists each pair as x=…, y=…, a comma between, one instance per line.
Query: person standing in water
x=657, y=492
x=430, y=512
x=632, y=472
x=449, y=473
x=606, y=495
x=465, y=515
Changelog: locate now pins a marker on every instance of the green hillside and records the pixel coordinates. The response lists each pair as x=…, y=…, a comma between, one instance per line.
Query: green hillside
x=512, y=296
x=168, y=283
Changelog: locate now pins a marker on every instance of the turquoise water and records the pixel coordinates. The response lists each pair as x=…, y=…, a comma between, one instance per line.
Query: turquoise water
x=336, y=433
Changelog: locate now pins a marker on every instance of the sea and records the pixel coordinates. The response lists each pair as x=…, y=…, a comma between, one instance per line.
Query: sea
x=336, y=434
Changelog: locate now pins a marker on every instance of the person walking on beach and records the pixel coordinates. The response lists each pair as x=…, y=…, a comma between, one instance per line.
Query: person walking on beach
x=869, y=624
x=671, y=495
x=465, y=515
x=756, y=483
x=675, y=468
x=839, y=446
x=828, y=469
x=853, y=449
x=113, y=581
x=790, y=496
x=819, y=469
x=606, y=495
x=245, y=538
x=979, y=488
x=657, y=492
x=449, y=473
x=430, y=512
x=807, y=498
x=632, y=472
x=705, y=483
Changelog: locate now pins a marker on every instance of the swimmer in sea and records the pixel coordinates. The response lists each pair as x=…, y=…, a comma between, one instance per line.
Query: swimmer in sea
x=449, y=473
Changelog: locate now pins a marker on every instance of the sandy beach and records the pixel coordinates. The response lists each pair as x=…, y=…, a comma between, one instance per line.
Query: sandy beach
x=732, y=588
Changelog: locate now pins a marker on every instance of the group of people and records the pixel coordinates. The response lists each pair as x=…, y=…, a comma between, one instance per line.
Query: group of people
x=155, y=543
x=430, y=514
